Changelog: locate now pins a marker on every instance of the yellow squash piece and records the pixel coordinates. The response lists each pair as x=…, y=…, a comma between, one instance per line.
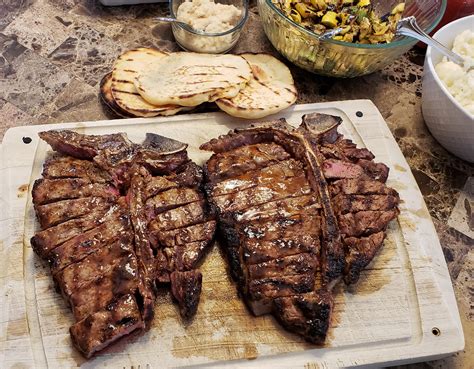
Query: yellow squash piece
x=345, y=30
x=295, y=16
x=302, y=9
x=329, y=19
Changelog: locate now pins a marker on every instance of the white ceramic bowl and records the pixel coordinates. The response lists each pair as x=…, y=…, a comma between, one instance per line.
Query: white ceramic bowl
x=446, y=119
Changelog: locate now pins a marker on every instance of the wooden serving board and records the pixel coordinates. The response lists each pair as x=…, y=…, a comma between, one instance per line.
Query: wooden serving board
x=403, y=308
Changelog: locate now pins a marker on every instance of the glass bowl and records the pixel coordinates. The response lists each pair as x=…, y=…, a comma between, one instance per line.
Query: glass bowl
x=212, y=43
x=342, y=59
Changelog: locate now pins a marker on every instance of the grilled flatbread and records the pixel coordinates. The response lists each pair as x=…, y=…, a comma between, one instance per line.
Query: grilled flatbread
x=270, y=90
x=189, y=79
x=124, y=73
x=108, y=99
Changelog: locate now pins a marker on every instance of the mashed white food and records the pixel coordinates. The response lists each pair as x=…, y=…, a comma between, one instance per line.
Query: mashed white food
x=458, y=80
x=209, y=17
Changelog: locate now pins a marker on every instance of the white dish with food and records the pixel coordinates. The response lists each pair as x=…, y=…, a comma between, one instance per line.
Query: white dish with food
x=402, y=310
x=448, y=120
x=214, y=25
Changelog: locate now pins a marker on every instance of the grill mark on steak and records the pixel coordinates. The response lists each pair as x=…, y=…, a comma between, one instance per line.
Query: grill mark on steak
x=58, y=166
x=106, y=326
x=58, y=212
x=190, y=175
x=272, y=287
x=157, y=185
x=47, y=240
x=46, y=191
x=114, y=226
x=181, y=236
x=271, y=191
x=186, y=215
x=280, y=228
x=278, y=208
x=93, y=297
x=261, y=251
x=365, y=222
x=171, y=199
x=262, y=177
x=353, y=203
x=243, y=160
x=99, y=264
x=290, y=265
x=361, y=187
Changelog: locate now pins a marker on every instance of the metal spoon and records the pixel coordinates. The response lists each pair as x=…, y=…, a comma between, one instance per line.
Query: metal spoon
x=330, y=33
x=174, y=20
x=409, y=27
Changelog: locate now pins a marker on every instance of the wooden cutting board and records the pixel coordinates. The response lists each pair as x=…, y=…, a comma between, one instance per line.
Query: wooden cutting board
x=403, y=308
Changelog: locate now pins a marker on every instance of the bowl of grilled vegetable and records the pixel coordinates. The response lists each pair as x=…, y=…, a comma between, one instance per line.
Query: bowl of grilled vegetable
x=344, y=38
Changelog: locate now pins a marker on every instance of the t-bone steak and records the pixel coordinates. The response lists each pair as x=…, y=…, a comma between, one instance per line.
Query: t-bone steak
x=118, y=219
x=298, y=210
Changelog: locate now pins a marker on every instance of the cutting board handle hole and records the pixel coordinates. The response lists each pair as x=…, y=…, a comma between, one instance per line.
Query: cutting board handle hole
x=359, y=114
x=436, y=331
x=26, y=140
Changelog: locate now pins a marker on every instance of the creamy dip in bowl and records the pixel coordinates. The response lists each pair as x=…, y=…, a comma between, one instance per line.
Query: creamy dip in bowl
x=216, y=24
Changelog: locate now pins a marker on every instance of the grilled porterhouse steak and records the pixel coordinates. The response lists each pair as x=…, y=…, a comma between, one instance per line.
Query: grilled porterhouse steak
x=118, y=219
x=298, y=210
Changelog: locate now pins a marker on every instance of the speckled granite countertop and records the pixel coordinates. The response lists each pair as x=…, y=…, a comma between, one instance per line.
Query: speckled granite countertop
x=53, y=54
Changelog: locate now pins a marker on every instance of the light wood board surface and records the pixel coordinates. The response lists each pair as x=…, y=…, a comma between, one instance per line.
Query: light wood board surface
x=402, y=310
